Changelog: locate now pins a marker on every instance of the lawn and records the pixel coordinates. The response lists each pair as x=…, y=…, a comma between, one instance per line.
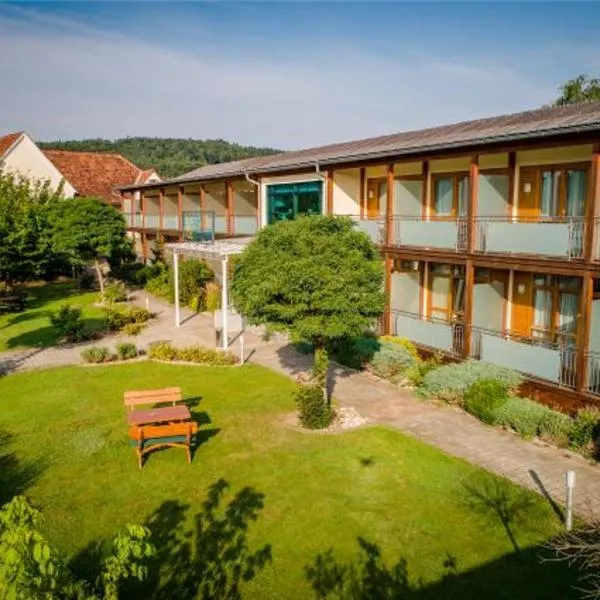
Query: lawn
x=32, y=328
x=462, y=532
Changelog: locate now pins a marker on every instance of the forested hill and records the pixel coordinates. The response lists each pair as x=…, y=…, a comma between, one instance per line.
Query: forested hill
x=169, y=156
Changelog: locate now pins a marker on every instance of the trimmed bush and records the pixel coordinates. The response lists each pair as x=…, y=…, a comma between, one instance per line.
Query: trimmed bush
x=126, y=350
x=449, y=382
x=555, y=427
x=391, y=360
x=523, y=415
x=585, y=431
x=484, y=398
x=68, y=323
x=355, y=353
x=163, y=351
x=195, y=354
x=114, y=292
x=212, y=297
x=313, y=410
x=116, y=320
x=96, y=354
x=416, y=374
x=400, y=341
x=132, y=329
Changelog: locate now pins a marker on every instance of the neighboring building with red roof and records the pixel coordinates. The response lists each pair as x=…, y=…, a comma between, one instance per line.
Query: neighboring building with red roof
x=80, y=173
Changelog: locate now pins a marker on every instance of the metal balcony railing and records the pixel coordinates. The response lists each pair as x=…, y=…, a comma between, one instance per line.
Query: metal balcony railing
x=592, y=385
x=548, y=236
x=374, y=227
x=534, y=357
x=170, y=222
x=198, y=226
x=435, y=232
x=151, y=221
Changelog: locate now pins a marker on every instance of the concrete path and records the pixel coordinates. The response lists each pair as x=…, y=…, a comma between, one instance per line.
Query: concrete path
x=534, y=465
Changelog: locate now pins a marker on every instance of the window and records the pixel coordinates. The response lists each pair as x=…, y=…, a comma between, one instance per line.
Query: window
x=288, y=200
x=555, y=308
x=563, y=192
x=446, y=292
x=451, y=195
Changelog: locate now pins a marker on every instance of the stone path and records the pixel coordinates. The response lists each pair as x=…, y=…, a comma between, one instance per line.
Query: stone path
x=534, y=465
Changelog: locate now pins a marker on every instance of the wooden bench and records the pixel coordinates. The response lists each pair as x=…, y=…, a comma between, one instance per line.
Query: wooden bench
x=170, y=395
x=146, y=438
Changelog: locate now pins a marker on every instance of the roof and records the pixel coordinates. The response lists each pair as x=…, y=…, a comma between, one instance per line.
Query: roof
x=213, y=249
x=8, y=140
x=540, y=123
x=144, y=175
x=95, y=173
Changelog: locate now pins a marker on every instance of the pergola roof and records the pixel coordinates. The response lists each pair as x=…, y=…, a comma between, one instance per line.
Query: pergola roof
x=216, y=249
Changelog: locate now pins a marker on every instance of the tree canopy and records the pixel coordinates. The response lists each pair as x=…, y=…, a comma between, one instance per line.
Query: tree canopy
x=582, y=88
x=169, y=156
x=316, y=277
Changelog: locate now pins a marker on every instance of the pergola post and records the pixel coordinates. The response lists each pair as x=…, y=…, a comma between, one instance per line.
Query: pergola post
x=224, y=302
x=176, y=278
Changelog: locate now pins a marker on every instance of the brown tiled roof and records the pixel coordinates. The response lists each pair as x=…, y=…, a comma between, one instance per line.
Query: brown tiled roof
x=94, y=173
x=143, y=175
x=533, y=124
x=8, y=140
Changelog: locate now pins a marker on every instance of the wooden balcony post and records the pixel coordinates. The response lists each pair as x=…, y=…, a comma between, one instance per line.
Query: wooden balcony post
x=389, y=206
x=161, y=208
x=202, y=195
x=229, y=206
x=143, y=209
x=585, y=323
x=472, y=205
x=593, y=211
x=361, y=193
x=329, y=207
x=512, y=180
x=180, y=212
x=468, y=320
x=426, y=201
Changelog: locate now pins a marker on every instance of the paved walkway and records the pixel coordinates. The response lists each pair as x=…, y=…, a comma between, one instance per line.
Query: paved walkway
x=533, y=465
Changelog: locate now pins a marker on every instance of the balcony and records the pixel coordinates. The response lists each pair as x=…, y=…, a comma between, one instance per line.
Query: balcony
x=533, y=357
x=198, y=226
x=592, y=385
x=548, y=236
x=170, y=222
x=431, y=333
x=374, y=228
x=443, y=234
x=151, y=222
x=596, y=253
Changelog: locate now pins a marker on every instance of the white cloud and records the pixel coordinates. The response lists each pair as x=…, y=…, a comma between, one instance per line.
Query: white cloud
x=63, y=79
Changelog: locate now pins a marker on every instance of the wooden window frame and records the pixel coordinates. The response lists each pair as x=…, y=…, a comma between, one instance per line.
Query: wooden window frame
x=456, y=176
x=449, y=310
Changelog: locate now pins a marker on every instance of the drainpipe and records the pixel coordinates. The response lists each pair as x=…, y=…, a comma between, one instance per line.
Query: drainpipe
x=250, y=180
x=319, y=172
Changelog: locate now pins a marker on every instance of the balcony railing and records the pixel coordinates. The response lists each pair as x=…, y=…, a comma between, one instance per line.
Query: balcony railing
x=198, y=226
x=151, y=221
x=442, y=233
x=431, y=333
x=533, y=357
x=548, y=236
x=170, y=222
x=592, y=385
x=373, y=227
x=245, y=224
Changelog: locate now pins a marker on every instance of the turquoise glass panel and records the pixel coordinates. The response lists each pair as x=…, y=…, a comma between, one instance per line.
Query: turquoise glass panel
x=288, y=200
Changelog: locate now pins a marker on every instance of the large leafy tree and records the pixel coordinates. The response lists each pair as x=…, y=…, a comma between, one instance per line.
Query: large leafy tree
x=86, y=231
x=582, y=88
x=316, y=277
x=25, y=233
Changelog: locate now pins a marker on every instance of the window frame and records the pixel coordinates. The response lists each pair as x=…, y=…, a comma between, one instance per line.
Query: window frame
x=452, y=316
x=456, y=177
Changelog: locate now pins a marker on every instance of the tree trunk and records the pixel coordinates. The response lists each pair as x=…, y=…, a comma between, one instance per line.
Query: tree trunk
x=321, y=366
x=98, y=270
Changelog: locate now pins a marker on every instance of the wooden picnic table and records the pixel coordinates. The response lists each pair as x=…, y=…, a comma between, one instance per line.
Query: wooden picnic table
x=165, y=414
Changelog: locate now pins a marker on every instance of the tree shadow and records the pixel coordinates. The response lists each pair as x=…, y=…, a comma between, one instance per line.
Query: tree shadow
x=12, y=363
x=516, y=576
x=213, y=558
x=15, y=475
x=498, y=499
x=22, y=317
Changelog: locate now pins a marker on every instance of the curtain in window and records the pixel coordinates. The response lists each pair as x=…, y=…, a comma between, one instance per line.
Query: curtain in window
x=440, y=288
x=383, y=198
x=542, y=311
x=443, y=196
x=576, y=191
x=463, y=196
x=550, y=191
x=567, y=313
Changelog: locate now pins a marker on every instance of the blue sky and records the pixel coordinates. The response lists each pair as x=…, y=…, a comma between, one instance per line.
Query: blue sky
x=290, y=74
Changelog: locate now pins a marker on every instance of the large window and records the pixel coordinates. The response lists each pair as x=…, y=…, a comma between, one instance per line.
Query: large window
x=555, y=308
x=563, y=192
x=288, y=200
x=446, y=292
x=451, y=195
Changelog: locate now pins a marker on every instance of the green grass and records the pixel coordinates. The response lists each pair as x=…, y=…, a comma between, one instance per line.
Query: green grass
x=32, y=328
x=463, y=532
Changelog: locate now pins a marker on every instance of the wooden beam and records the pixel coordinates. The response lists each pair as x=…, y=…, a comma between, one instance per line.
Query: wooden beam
x=229, y=206
x=468, y=322
x=593, y=210
x=584, y=329
x=426, y=201
x=472, y=206
x=512, y=180
x=389, y=205
x=361, y=194
x=329, y=206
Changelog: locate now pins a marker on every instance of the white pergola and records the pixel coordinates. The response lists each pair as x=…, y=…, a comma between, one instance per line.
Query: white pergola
x=219, y=250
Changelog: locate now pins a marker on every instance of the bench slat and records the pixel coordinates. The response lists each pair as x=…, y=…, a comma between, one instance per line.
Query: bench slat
x=159, y=396
x=157, y=431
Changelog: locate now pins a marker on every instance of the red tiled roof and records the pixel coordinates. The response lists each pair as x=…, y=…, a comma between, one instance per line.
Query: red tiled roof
x=143, y=176
x=94, y=173
x=7, y=141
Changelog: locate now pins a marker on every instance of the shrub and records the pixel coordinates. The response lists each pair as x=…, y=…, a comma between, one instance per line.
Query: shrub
x=132, y=329
x=141, y=274
x=523, y=415
x=159, y=284
x=96, y=354
x=484, y=398
x=400, y=341
x=212, y=298
x=208, y=356
x=137, y=314
x=392, y=360
x=117, y=320
x=163, y=351
x=313, y=410
x=193, y=276
x=355, y=353
x=126, y=350
x=555, y=427
x=87, y=281
x=417, y=372
x=449, y=382
x=585, y=431
x=68, y=323
x=115, y=292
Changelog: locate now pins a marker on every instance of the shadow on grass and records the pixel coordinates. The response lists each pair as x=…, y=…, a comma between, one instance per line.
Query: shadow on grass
x=15, y=475
x=27, y=315
x=516, y=576
x=211, y=559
